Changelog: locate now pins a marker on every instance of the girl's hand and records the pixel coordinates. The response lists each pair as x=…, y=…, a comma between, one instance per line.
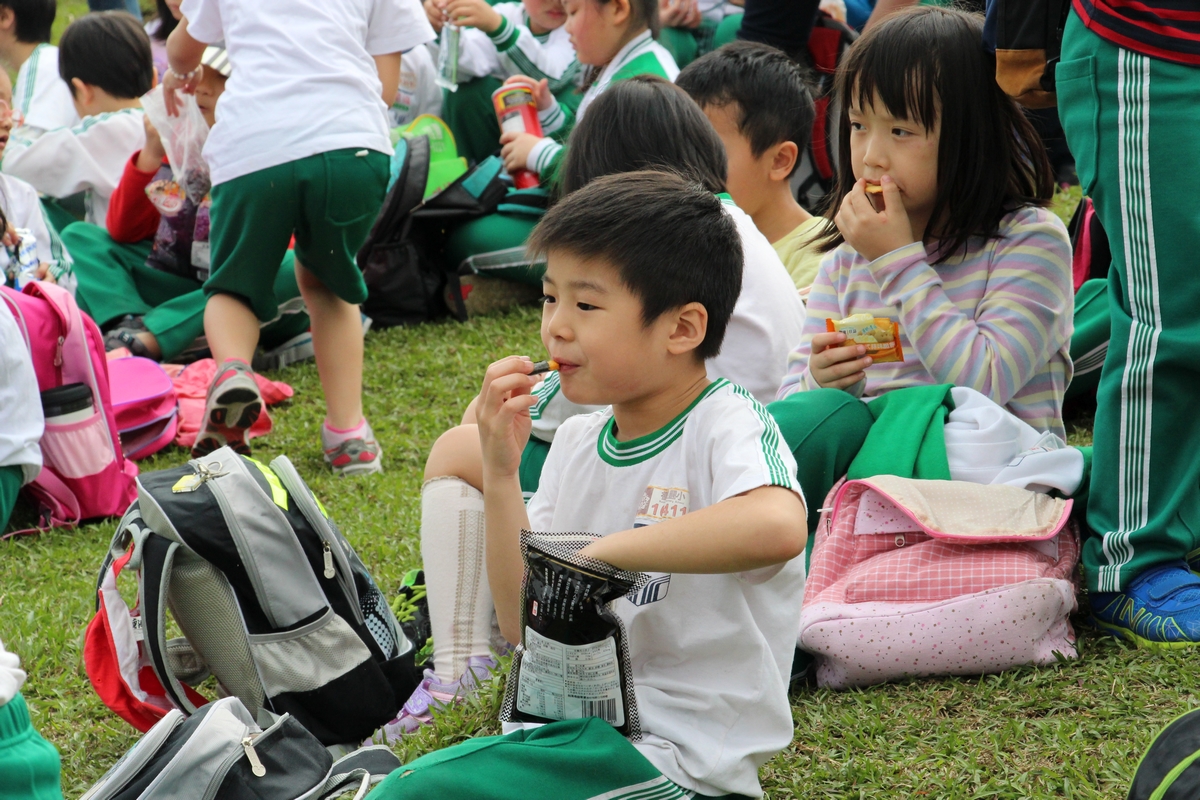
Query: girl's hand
x=502, y=410
x=43, y=273
x=433, y=12
x=540, y=89
x=172, y=82
x=834, y=364
x=516, y=149
x=873, y=233
x=476, y=13
x=10, y=237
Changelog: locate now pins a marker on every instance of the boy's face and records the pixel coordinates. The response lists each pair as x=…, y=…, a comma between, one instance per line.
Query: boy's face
x=212, y=84
x=592, y=326
x=749, y=179
x=545, y=15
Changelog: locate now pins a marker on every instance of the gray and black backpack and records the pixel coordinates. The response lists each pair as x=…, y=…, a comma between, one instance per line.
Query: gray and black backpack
x=220, y=753
x=271, y=599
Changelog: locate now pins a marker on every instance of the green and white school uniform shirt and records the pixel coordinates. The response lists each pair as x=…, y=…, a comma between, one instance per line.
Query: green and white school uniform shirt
x=766, y=325
x=640, y=56
x=40, y=94
x=710, y=654
x=513, y=49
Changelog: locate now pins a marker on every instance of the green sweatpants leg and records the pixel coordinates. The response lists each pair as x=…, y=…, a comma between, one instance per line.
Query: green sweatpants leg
x=472, y=119
x=1089, y=342
x=571, y=760
x=10, y=483
x=495, y=246
x=1128, y=119
x=114, y=280
x=680, y=43
x=29, y=765
x=824, y=430
x=727, y=30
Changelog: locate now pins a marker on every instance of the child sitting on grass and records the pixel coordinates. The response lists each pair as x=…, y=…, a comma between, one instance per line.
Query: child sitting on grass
x=756, y=98
x=42, y=98
x=643, y=271
x=499, y=41
x=105, y=60
x=941, y=225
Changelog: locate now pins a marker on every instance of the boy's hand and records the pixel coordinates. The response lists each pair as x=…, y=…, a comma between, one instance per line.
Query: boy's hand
x=502, y=411
x=540, y=89
x=516, y=149
x=475, y=13
x=834, y=364
x=153, y=153
x=874, y=233
x=433, y=12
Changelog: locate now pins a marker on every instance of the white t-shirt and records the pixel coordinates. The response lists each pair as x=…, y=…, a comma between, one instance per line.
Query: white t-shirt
x=20, y=399
x=87, y=158
x=305, y=81
x=550, y=55
x=24, y=210
x=766, y=325
x=40, y=93
x=418, y=92
x=710, y=654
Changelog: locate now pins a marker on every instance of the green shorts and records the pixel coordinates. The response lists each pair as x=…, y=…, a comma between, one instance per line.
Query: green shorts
x=533, y=458
x=329, y=201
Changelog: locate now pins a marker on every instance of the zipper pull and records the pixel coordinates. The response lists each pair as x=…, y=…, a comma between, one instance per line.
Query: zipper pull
x=329, y=571
x=58, y=353
x=256, y=766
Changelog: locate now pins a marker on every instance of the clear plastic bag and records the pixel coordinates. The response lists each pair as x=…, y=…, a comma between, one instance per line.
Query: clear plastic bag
x=447, y=63
x=183, y=138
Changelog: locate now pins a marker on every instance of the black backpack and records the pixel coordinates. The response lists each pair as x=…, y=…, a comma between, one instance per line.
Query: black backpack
x=1026, y=36
x=402, y=260
x=1170, y=770
x=814, y=175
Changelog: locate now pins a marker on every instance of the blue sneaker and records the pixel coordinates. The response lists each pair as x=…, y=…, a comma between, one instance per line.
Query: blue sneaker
x=1160, y=609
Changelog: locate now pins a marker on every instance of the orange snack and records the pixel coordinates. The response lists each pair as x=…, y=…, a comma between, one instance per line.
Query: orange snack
x=880, y=335
x=874, y=188
x=544, y=366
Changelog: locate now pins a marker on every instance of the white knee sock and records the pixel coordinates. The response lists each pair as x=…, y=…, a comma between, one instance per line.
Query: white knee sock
x=452, y=549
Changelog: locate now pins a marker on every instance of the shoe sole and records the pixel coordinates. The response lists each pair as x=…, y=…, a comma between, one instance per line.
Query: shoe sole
x=240, y=403
x=1138, y=641
x=359, y=468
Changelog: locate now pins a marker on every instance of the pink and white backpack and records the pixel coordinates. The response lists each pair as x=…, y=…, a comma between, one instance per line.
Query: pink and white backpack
x=84, y=473
x=917, y=578
x=144, y=404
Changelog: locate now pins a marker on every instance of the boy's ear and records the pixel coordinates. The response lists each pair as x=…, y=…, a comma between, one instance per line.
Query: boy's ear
x=784, y=160
x=8, y=19
x=84, y=93
x=620, y=11
x=690, y=325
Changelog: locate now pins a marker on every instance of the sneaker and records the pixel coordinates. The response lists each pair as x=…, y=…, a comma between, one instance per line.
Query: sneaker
x=1160, y=609
x=233, y=406
x=430, y=697
x=361, y=455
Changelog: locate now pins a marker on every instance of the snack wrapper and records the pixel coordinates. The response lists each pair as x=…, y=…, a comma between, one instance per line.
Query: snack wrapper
x=880, y=335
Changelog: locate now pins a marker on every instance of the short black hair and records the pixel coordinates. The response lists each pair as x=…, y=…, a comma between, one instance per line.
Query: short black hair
x=669, y=239
x=34, y=18
x=991, y=161
x=108, y=49
x=643, y=122
x=769, y=89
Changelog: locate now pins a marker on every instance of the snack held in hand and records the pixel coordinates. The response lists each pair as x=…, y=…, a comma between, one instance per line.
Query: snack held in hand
x=573, y=660
x=880, y=335
x=516, y=110
x=544, y=366
x=874, y=188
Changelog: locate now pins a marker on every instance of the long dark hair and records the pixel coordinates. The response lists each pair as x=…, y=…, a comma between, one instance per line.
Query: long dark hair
x=166, y=21
x=643, y=122
x=990, y=159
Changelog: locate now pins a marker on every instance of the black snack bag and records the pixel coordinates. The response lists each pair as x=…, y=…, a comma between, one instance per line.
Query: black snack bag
x=573, y=660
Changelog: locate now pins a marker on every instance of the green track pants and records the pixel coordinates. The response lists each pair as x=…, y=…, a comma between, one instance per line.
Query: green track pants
x=1129, y=120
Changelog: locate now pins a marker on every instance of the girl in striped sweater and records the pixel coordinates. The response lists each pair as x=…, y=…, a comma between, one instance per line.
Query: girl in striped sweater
x=940, y=223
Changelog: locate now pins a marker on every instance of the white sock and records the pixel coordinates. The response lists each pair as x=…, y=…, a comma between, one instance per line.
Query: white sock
x=452, y=549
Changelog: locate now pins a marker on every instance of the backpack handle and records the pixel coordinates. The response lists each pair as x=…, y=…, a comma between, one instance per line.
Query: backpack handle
x=154, y=579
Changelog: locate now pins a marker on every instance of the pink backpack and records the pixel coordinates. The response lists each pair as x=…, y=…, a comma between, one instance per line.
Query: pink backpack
x=84, y=473
x=144, y=404
x=915, y=578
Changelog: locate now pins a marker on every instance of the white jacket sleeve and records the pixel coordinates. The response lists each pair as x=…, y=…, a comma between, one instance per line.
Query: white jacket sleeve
x=522, y=54
x=477, y=56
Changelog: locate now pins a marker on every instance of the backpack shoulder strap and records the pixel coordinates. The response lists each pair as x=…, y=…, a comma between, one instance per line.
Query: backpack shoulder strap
x=154, y=578
x=363, y=768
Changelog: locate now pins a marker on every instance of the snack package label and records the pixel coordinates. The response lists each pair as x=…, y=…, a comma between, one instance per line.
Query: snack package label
x=562, y=681
x=880, y=335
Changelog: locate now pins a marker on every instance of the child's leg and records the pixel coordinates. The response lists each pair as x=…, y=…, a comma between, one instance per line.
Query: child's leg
x=338, y=343
x=29, y=765
x=113, y=279
x=11, y=478
x=472, y=119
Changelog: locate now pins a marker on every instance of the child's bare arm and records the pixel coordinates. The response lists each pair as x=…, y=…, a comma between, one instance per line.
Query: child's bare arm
x=388, y=67
x=762, y=527
x=183, y=54
x=504, y=426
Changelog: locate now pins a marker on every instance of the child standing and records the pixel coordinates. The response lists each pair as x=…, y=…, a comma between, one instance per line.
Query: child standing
x=42, y=98
x=279, y=170
x=643, y=270
x=957, y=247
x=104, y=58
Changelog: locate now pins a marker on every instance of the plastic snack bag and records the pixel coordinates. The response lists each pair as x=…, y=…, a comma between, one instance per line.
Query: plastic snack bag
x=447, y=63
x=183, y=138
x=573, y=660
x=880, y=335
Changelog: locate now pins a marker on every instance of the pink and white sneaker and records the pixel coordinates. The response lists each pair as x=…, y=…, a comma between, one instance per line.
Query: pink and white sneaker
x=430, y=697
x=233, y=405
x=352, y=452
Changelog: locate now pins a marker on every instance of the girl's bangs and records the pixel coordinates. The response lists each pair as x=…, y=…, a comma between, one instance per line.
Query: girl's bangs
x=900, y=68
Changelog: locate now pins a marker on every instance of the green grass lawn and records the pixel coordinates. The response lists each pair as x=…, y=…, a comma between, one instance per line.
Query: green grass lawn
x=1074, y=730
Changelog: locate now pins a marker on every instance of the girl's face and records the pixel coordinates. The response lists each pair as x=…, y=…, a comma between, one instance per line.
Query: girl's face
x=597, y=30
x=881, y=144
x=545, y=15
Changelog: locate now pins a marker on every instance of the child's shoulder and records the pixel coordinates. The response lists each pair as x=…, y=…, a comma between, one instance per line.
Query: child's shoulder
x=1033, y=220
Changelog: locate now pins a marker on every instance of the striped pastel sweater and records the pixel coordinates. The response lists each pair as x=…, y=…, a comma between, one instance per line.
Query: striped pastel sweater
x=997, y=319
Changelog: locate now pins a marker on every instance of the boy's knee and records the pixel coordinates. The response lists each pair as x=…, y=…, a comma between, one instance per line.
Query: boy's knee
x=456, y=454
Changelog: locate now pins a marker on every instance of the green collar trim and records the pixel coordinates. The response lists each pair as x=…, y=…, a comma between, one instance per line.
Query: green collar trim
x=635, y=451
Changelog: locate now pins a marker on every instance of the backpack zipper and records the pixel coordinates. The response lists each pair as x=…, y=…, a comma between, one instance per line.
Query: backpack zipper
x=246, y=751
x=329, y=570
x=256, y=766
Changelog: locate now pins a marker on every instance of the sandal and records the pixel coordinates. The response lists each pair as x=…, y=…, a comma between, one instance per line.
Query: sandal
x=125, y=335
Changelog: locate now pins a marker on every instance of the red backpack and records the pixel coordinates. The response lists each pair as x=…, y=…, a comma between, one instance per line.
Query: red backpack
x=814, y=176
x=84, y=473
